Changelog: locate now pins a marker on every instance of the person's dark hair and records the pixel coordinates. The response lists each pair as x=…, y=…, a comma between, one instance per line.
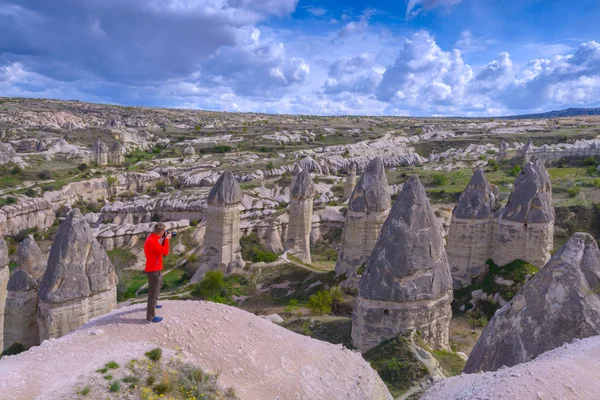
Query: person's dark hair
x=159, y=228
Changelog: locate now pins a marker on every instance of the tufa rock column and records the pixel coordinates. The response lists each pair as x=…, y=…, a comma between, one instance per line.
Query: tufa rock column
x=301, y=211
x=524, y=228
x=471, y=231
x=115, y=155
x=560, y=303
x=4, y=277
x=99, y=153
x=407, y=283
x=295, y=172
x=350, y=182
x=80, y=282
x=368, y=208
x=222, y=249
x=20, y=324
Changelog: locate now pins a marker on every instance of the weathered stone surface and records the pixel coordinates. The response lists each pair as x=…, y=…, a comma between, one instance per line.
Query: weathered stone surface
x=559, y=304
x=524, y=228
x=371, y=192
x=226, y=191
x=31, y=258
x=407, y=282
x=368, y=208
x=6, y=153
x=350, y=182
x=295, y=172
x=301, y=210
x=99, y=154
x=4, y=277
x=25, y=214
x=79, y=282
x=116, y=153
x=20, y=325
x=189, y=151
x=222, y=250
x=471, y=231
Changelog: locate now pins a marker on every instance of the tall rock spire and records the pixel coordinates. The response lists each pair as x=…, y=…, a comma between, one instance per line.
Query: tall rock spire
x=524, y=228
x=301, y=210
x=471, y=230
x=222, y=249
x=350, y=182
x=99, y=153
x=407, y=283
x=79, y=282
x=20, y=324
x=368, y=208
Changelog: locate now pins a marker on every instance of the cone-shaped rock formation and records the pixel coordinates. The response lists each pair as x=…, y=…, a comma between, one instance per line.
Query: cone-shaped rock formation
x=368, y=208
x=99, y=153
x=559, y=304
x=222, y=249
x=471, y=231
x=79, y=282
x=20, y=324
x=407, y=282
x=524, y=228
x=4, y=277
x=301, y=211
x=116, y=154
x=350, y=182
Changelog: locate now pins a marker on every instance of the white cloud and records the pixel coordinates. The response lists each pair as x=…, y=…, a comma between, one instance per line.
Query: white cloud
x=415, y=7
x=424, y=76
x=468, y=43
x=316, y=11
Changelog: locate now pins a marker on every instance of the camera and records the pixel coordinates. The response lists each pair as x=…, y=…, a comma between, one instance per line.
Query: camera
x=173, y=234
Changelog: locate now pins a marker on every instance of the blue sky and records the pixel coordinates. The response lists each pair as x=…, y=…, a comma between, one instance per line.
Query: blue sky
x=413, y=57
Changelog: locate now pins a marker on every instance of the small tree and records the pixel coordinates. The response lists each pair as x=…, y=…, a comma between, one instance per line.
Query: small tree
x=320, y=303
x=291, y=308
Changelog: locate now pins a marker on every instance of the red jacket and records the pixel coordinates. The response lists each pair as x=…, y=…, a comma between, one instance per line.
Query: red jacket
x=154, y=252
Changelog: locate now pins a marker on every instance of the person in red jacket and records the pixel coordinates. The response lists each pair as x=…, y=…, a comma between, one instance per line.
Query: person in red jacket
x=155, y=248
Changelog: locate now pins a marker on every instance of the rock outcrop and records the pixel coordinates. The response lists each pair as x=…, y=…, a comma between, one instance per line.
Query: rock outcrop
x=99, y=153
x=524, y=228
x=368, y=208
x=6, y=153
x=27, y=213
x=301, y=211
x=233, y=343
x=350, y=182
x=471, y=231
x=79, y=282
x=116, y=154
x=20, y=324
x=569, y=372
x=295, y=172
x=559, y=304
x=407, y=283
x=189, y=151
x=4, y=277
x=222, y=249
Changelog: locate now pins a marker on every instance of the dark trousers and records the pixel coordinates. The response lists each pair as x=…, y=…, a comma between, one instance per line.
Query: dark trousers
x=155, y=282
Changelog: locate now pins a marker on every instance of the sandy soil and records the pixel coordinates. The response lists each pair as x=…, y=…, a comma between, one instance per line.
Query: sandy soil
x=259, y=359
x=571, y=372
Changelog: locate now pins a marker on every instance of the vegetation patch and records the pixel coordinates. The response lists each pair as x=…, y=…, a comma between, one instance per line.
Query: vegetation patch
x=254, y=250
x=396, y=364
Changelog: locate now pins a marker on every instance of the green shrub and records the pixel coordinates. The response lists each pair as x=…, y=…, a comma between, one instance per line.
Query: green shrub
x=155, y=354
x=84, y=391
x=291, y=308
x=439, y=179
x=82, y=167
x=270, y=165
x=111, y=365
x=44, y=174
x=591, y=161
x=320, y=303
x=254, y=250
x=213, y=288
x=591, y=170
x=493, y=164
x=515, y=170
x=573, y=191
x=114, y=386
x=108, y=377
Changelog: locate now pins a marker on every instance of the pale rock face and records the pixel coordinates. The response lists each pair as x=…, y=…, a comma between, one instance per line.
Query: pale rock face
x=26, y=213
x=222, y=250
x=524, y=228
x=116, y=155
x=471, y=231
x=6, y=153
x=310, y=165
x=368, y=208
x=99, y=154
x=79, y=282
x=559, y=304
x=350, y=182
x=301, y=211
x=189, y=151
x=20, y=324
x=295, y=172
x=407, y=283
x=4, y=277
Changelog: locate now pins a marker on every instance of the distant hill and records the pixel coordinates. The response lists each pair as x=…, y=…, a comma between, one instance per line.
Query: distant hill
x=569, y=112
